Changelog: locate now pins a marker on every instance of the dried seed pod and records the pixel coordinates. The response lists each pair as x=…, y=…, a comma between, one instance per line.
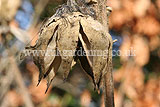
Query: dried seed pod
x=67, y=42
x=66, y=35
x=45, y=36
x=99, y=43
x=50, y=74
x=85, y=60
x=48, y=60
x=50, y=77
x=50, y=53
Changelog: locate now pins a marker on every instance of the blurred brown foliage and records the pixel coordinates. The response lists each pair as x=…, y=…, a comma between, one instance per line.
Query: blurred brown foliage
x=138, y=21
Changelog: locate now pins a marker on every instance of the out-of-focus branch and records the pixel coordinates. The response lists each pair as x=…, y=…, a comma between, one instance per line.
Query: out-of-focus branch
x=5, y=80
x=19, y=80
x=38, y=10
x=20, y=34
x=13, y=73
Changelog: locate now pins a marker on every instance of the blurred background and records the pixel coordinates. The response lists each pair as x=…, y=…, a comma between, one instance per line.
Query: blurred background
x=136, y=57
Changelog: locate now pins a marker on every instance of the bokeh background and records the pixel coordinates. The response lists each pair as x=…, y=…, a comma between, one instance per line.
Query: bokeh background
x=136, y=60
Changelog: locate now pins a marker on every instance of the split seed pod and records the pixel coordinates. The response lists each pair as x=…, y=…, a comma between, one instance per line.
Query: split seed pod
x=64, y=37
